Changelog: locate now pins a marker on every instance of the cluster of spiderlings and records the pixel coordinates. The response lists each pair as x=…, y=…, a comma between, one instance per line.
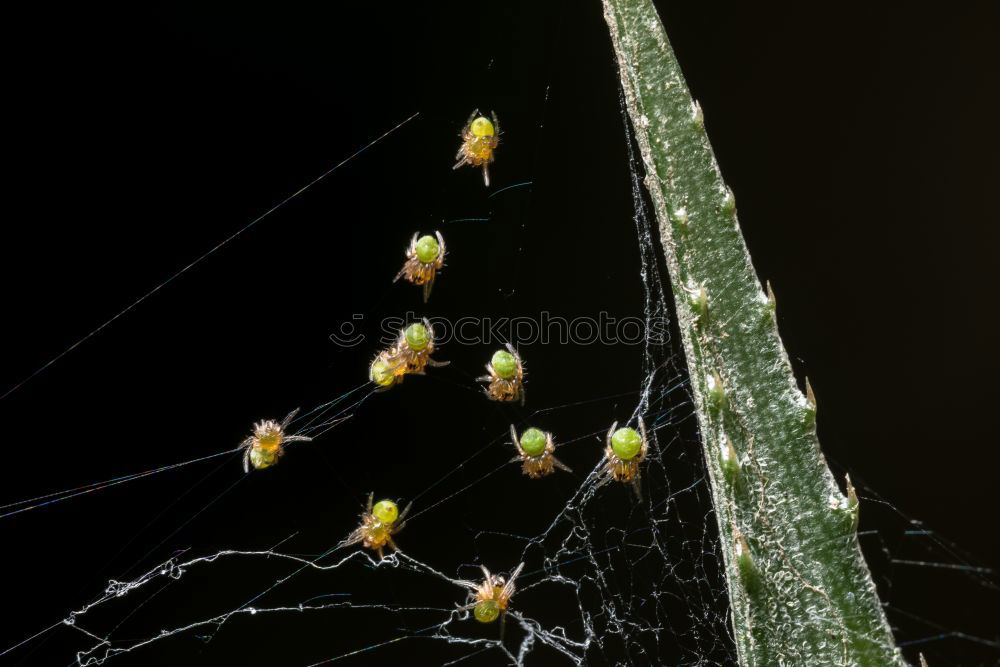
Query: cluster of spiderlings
x=410, y=354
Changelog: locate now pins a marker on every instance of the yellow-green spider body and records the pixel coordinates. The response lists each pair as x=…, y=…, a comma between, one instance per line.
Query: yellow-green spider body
x=424, y=258
x=413, y=349
x=266, y=444
x=490, y=599
x=535, y=452
x=506, y=376
x=625, y=450
x=480, y=138
x=379, y=522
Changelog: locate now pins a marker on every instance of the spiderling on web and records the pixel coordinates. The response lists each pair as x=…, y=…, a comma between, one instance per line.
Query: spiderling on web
x=535, y=449
x=266, y=445
x=411, y=353
x=424, y=258
x=506, y=376
x=378, y=524
x=624, y=452
x=491, y=597
x=480, y=137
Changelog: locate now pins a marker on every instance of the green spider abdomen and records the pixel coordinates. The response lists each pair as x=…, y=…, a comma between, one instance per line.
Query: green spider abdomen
x=486, y=611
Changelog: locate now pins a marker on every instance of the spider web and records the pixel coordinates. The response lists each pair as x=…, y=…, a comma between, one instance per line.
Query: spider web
x=615, y=576
x=608, y=578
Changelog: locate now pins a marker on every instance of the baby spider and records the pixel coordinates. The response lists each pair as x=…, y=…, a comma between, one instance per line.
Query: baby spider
x=506, y=376
x=480, y=138
x=413, y=350
x=490, y=598
x=266, y=445
x=424, y=258
x=535, y=451
x=625, y=450
x=378, y=525
x=386, y=371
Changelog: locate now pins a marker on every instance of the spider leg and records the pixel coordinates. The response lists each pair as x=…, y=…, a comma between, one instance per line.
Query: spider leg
x=496, y=123
x=246, y=460
x=611, y=431
x=437, y=364
x=461, y=162
x=397, y=363
x=484, y=378
x=608, y=472
x=515, y=459
x=559, y=464
x=388, y=539
x=503, y=623
x=486, y=173
x=371, y=496
x=428, y=286
x=524, y=395
x=636, y=487
x=378, y=550
x=472, y=586
x=472, y=117
x=508, y=588
x=513, y=438
x=353, y=538
x=298, y=438
x=645, y=440
x=402, y=516
x=288, y=418
x=440, y=243
x=402, y=272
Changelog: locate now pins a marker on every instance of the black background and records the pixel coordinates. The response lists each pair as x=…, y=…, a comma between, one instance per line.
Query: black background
x=860, y=142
